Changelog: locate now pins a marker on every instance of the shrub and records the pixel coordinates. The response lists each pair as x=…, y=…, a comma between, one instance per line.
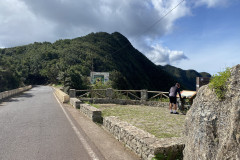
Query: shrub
x=100, y=85
x=169, y=156
x=218, y=83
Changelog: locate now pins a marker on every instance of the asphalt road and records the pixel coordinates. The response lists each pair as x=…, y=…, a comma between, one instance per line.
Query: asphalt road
x=33, y=126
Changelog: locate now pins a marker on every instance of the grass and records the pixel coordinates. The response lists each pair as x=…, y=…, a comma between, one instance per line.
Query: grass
x=96, y=106
x=155, y=120
x=57, y=85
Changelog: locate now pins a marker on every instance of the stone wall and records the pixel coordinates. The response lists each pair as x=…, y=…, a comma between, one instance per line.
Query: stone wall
x=13, y=92
x=75, y=103
x=63, y=97
x=91, y=112
x=143, y=143
x=125, y=102
x=212, y=127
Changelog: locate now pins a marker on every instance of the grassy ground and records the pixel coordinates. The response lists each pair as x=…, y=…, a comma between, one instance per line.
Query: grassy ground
x=57, y=85
x=155, y=120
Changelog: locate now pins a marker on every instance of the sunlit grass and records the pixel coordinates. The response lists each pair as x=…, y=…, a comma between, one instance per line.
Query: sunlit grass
x=155, y=120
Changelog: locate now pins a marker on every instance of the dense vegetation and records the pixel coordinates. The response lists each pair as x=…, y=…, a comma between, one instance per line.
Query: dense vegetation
x=186, y=78
x=69, y=62
x=218, y=83
x=8, y=80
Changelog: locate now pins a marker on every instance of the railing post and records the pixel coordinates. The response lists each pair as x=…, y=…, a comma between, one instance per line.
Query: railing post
x=109, y=93
x=72, y=93
x=144, y=95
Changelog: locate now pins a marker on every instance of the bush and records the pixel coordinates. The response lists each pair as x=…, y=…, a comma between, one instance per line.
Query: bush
x=169, y=156
x=100, y=85
x=218, y=83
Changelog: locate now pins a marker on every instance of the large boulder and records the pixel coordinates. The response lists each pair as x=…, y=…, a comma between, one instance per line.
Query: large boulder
x=212, y=127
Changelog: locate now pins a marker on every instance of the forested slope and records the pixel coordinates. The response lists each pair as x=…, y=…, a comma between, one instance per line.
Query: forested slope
x=185, y=77
x=70, y=62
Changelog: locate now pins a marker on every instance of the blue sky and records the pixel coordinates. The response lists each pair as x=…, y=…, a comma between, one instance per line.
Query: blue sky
x=203, y=35
x=210, y=38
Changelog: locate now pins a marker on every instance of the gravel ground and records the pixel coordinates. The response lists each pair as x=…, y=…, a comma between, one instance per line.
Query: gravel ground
x=155, y=120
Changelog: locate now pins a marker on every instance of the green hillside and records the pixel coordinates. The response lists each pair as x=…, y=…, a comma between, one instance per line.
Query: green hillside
x=186, y=78
x=70, y=62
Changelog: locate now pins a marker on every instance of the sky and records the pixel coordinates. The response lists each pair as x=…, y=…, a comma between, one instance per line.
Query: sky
x=203, y=35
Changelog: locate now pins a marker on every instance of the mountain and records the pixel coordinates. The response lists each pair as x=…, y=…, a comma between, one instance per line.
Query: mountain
x=186, y=78
x=70, y=62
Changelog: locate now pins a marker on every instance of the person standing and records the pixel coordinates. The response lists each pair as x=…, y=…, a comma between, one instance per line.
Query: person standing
x=173, y=98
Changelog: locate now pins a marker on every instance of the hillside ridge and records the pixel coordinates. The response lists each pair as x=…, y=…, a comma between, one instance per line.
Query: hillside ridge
x=70, y=61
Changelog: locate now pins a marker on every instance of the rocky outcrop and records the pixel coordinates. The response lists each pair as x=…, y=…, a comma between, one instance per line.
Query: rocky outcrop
x=212, y=127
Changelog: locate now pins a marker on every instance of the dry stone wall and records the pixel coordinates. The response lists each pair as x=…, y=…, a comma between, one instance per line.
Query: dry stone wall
x=125, y=102
x=91, y=112
x=143, y=143
x=75, y=103
x=212, y=127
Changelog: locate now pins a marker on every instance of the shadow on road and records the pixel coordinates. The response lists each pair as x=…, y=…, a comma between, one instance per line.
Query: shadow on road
x=16, y=98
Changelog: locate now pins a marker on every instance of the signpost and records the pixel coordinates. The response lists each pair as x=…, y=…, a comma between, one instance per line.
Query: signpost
x=102, y=77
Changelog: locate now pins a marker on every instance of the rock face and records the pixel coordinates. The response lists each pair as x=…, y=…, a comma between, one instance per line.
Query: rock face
x=212, y=127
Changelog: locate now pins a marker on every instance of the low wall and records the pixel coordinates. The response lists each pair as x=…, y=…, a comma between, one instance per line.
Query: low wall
x=63, y=97
x=125, y=102
x=75, y=103
x=13, y=92
x=91, y=112
x=143, y=143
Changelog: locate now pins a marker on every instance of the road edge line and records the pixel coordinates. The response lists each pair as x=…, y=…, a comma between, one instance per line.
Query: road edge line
x=79, y=135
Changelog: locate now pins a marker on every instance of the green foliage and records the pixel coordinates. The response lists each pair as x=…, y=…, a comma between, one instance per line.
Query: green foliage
x=100, y=85
x=69, y=62
x=119, y=95
x=187, y=78
x=218, y=83
x=164, y=99
x=99, y=93
x=8, y=80
x=95, y=105
x=168, y=156
x=87, y=102
x=57, y=85
x=160, y=99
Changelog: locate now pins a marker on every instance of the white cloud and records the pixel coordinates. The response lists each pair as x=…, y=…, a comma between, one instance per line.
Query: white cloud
x=27, y=21
x=212, y=3
x=20, y=26
x=54, y=19
x=162, y=55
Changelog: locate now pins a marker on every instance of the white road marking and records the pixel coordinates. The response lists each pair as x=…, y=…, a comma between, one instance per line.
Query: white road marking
x=79, y=135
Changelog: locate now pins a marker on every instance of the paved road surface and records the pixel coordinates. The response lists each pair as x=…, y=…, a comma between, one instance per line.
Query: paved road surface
x=34, y=127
